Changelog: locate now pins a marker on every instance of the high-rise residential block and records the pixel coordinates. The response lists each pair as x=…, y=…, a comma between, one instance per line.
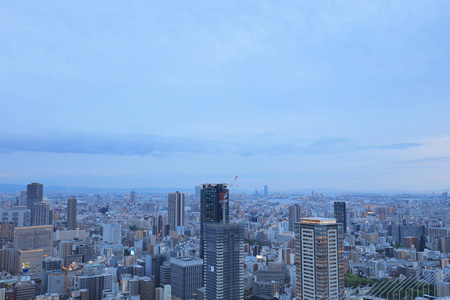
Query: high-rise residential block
x=224, y=261
x=72, y=213
x=41, y=214
x=35, y=193
x=186, y=276
x=214, y=208
x=176, y=210
x=340, y=213
x=319, y=259
x=295, y=215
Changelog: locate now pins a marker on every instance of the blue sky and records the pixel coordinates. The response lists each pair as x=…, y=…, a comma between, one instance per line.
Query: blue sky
x=347, y=95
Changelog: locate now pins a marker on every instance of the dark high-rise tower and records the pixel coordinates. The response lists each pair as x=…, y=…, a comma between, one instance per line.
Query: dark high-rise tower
x=176, y=210
x=214, y=208
x=295, y=215
x=133, y=197
x=340, y=214
x=35, y=193
x=224, y=261
x=72, y=213
x=185, y=276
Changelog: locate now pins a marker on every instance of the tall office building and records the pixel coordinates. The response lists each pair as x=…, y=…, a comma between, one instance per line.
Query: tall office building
x=50, y=265
x=22, y=199
x=20, y=216
x=214, y=208
x=146, y=288
x=185, y=276
x=72, y=213
x=319, y=259
x=133, y=197
x=224, y=261
x=176, y=210
x=295, y=215
x=198, y=192
x=7, y=230
x=35, y=193
x=112, y=233
x=34, y=237
x=41, y=214
x=96, y=284
x=266, y=190
x=340, y=214
x=5, y=260
x=28, y=262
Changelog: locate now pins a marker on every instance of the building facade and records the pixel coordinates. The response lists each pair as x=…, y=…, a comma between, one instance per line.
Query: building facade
x=35, y=193
x=176, y=210
x=295, y=215
x=340, y=213
x=72, y=213
x=186, y=276
x=224, y=261
x=41, y=214
x=319, y=259
x=214, y=208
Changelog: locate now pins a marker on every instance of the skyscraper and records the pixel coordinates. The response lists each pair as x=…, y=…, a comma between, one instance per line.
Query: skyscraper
x=176, y=210
x=319, y=259
x=186, y=276
x=214, y=208
x=35, y=193
x=266, y=190
x=295, y=215
x=41, y=214
x=224, y=261
x=72, y=213
x=340, y=214
x=133, y=197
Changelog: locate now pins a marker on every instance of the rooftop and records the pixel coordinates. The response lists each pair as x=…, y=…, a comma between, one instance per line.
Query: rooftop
x=316, y=220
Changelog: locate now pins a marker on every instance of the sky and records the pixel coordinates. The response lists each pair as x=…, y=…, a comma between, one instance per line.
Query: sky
x=349, y=95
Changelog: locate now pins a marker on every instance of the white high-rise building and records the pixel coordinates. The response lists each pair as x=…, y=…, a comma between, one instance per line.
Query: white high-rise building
x=319, y=259
x=112, y=233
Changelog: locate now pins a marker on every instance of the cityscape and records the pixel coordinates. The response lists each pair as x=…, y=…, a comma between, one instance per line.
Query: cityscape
x=213, y=243
x=225, y=150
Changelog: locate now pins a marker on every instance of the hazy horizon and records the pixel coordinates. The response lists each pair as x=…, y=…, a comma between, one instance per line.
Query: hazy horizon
x=340, y=95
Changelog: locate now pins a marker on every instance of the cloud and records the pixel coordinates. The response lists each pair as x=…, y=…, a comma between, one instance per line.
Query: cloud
x=426, y=159
x=159, y=145
x=115, y=144
x=400, y=146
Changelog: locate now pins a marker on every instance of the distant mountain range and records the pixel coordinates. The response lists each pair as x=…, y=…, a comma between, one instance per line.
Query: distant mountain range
x=16, y=188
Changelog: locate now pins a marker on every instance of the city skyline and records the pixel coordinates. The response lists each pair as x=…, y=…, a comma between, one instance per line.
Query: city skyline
x=349, y=96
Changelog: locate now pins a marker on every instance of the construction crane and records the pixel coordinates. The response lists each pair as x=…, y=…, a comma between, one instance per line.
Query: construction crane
x=224, y=201
x=234, y=181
